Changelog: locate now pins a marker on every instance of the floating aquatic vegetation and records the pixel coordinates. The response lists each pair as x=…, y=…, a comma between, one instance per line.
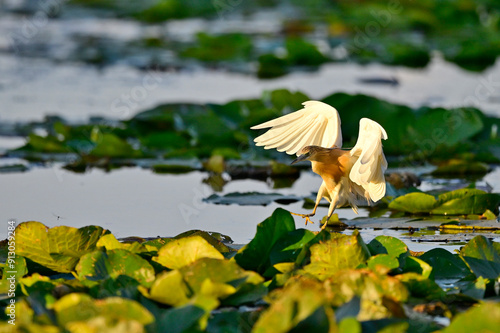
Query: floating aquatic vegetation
x=209, y=132
x=288, y=278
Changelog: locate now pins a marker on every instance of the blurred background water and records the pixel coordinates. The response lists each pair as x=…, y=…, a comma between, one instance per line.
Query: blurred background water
x=114, y=59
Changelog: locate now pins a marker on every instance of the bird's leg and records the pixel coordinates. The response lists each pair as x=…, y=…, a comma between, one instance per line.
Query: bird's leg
x=306, y=216
x=331, y=209
x=318, y=199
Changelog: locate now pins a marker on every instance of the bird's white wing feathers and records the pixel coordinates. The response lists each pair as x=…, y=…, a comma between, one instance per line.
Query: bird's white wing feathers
x=317, y=124
x=368, y=170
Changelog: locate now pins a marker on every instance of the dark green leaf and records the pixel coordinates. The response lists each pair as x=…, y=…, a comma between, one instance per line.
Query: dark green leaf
x=255, y=255
x=445, y=265
x=99, y=265
x=482, y=257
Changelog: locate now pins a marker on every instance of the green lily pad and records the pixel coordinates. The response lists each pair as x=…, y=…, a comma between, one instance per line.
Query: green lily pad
x=109, y=242
x=445, y=265
x=335, y=254
x=384, y=260
x=48, y=144
x=482, y=257
x=58, y=248
x=251, y=199
x=255, y=255
x=99, y=265
x=483, y=318
x=303, y=53
x=224, y=280
x=191, y=317
x=417, y=265
x=77, y=307
x=184, y=251
x=475, y=289
x=421, y=287
x=457, y=202
x=415, y=202
x=300, y=307
x=284, y=100
x=288, y=247
x=109, y=145
x=461, y=168
x=230, y=320
x=14, y=269
x=469, y=204
x=169, y=288
x=217, y=240
x=367, y=294
x=391, y=246
x=271, y=66
x=219, y=48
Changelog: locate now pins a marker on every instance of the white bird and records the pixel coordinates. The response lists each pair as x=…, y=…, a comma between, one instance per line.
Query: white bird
x=314, y=134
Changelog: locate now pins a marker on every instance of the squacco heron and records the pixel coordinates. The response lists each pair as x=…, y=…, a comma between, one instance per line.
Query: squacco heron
x=313, y=133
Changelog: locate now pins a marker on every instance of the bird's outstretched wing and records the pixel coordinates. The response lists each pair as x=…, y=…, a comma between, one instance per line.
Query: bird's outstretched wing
x=368, y=170
x=317, y=124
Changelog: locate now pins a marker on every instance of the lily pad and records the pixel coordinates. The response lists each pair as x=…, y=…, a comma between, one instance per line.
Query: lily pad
x=461, y=168
x=391, y=246
x=300, y=307
x=224, y=280
x=109, y=145
x=58, y=248
x=217, y=240
x=184, y=251
x=483, y=318
x=219, y=48
x=415, y=202
x=191, y=317
x=335, y=254
x=99, y=265
x=251, y=199
x=445, y=265
x=78, y=307
x=482, y=257
x=255, y=255
x=169, y=288
x=458, y=202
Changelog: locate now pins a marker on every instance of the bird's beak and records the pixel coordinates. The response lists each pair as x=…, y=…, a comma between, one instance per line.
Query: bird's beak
x=301, y=158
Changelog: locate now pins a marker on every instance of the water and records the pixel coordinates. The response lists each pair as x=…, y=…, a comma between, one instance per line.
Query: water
x=48, y=80
x=33, y=88
x=138, y=202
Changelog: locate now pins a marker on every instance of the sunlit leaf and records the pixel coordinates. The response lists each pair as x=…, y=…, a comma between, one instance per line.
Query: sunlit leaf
x=301, y=306
x=415, y=202
x=184, y=251
x=391, y=246
x=335, y=254
x=244, y=285
x=483, y=318
x=57, y=248
x=170, y=288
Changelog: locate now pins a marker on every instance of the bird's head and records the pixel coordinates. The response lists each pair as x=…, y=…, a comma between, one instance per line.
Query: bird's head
x=306, y=153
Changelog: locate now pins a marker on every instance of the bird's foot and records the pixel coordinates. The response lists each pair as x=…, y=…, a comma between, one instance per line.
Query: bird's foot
x=324, y=225
x=305, y=216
